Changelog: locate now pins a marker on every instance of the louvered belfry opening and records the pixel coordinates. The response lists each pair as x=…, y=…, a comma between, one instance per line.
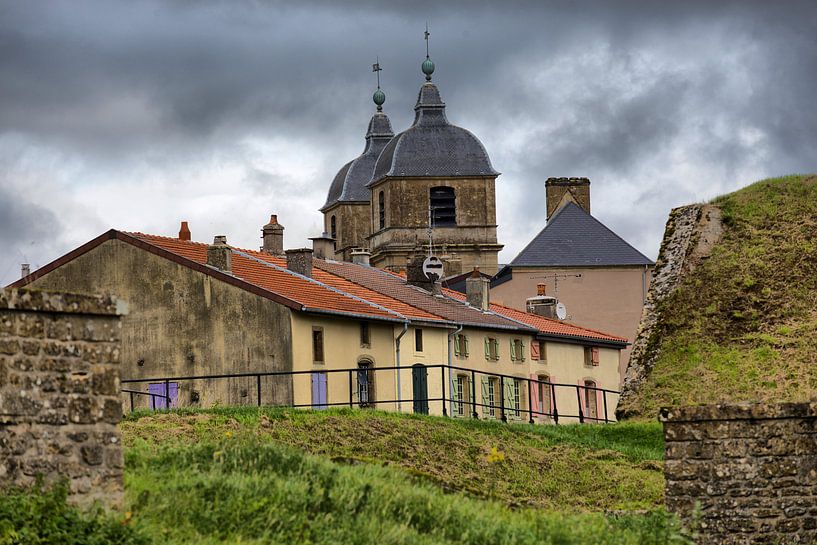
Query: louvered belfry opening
x=443, y=207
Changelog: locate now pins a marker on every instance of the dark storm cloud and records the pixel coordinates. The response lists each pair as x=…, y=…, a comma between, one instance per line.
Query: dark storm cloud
x=633, y=94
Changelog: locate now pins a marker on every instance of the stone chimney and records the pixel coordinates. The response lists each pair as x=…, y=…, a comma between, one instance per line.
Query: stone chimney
x=416, y=277
x=273, y=236
x=184, y=231
x=299, y=261
x=560, y=191
x=478, y=290
x=323, y=247
x=219, y=254
x=543, y=304
x=360, y=256
x=25, y=270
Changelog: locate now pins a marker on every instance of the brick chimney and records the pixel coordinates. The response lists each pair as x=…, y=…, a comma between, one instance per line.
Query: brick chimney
x=360, y=256
x=542, y=304
x=25, y=270
x=184, y=231
x=323, y=247
x=219, y=254
x=478, y=290
x=560, y=191
x=299, y=261
x=273, y=236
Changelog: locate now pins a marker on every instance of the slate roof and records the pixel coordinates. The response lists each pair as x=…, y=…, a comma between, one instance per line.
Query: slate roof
x=574, y=238
x=349, y=184
x=432, y=146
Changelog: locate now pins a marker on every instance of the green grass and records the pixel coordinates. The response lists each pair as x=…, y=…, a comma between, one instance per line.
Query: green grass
x=251, y=476
x=743, y=325
x=578, y=467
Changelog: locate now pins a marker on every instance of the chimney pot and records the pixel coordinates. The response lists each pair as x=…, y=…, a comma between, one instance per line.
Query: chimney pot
x=184, y=231
x=541, y=289
x=478, y=290
x=273, y=237
x=360, y=256
x=299, y=261
x=25, y=270
x=323, y=246
x=219, y=254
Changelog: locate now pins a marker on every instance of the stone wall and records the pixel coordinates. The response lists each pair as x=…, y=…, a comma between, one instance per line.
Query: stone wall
x=59, y=392
x=689, y=236
x=751, y=470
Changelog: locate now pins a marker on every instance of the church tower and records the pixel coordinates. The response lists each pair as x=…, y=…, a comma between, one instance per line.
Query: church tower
x=433, y=190
x=346, y=214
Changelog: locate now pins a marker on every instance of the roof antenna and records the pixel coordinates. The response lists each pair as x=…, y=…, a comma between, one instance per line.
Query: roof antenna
x=379, y=97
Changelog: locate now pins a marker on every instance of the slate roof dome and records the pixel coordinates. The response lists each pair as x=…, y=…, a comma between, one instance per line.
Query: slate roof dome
x=432, y=146
x=350, y=182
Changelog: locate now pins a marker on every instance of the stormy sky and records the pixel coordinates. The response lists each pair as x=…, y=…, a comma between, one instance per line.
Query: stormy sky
x=138, y=114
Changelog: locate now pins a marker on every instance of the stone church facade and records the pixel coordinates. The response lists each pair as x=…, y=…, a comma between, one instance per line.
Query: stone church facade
x=430, y=185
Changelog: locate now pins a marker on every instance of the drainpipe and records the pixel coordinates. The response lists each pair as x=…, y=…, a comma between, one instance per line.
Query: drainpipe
x=399, y=390
x=450, y=373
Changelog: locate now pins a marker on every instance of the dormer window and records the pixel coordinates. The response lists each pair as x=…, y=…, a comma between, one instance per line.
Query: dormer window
x=443, y=207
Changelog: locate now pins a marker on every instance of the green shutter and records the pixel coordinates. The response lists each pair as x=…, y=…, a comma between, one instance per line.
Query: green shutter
x=467, y=351
x=485, y=398
x=456, y=345
x=487, y=349
x=522, y=351
x=513, y=351
x=510, y=402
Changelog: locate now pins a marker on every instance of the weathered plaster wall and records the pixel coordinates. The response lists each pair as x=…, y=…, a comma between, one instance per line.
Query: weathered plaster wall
x=353, y=224
x=184, y=323
x=59, y=392
x=745, y=474
x=689, y=236
x=608, y=299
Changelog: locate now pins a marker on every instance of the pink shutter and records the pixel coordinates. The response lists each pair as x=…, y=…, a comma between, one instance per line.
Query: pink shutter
x=582, y=394
x=534, y=349
x=599, y=403
x=534, y=394
x=595, y=355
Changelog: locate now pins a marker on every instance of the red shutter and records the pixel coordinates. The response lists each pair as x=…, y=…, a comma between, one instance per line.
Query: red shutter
x=582, y=394
x=534, y=349
x=552, y=380
x=600, y=403
x=595, y=355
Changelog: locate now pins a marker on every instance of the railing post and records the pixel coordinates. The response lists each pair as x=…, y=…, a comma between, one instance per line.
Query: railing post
x=530, y=401
x=474, y=394
x=351, y=402
x=131, y=401
x=167, y=394
x=442, y=384
x=553, y=399
x=502, y=398
x=258, y=388
x=579, y=397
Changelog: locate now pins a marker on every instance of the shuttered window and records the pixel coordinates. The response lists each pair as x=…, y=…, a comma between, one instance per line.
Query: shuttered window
x=443, y=207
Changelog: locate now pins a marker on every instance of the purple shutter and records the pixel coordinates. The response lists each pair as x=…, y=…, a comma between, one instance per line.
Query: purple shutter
x=173, y=393
x=156, y=401
x=323, y=388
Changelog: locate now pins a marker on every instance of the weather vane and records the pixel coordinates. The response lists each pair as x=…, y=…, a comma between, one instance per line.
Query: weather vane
x=427, y=34
x=376, y=69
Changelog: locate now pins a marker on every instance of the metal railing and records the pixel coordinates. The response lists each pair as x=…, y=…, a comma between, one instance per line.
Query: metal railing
x=452, y=399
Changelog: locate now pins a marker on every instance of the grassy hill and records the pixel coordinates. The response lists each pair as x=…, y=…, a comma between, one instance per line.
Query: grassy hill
x=743, y=325
x=255, y=476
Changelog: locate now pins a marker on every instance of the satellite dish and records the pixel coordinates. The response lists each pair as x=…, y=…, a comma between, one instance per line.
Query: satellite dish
x=561, y=311
x=433, y=268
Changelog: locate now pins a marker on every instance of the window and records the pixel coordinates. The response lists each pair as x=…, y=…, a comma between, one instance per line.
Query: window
x=590, y=404
x=443, y=207
x=418, y=340
x=365, y=384
x=493, y=385
x=462, y=395
x=543, y=354
x=333, y=230
x=317, y=344
x=381, y=207
x=591, y=355
x=461, y=348
x=543, y=394
x=517, y=350
x=516, y=399
x=491, y=349
x=364, y=335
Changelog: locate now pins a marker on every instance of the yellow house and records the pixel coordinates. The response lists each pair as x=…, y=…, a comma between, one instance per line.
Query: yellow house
x=215, y=324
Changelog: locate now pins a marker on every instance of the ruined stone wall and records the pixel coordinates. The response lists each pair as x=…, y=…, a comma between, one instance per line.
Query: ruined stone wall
x=750, y=469
x=690, y=234
x=59, y=392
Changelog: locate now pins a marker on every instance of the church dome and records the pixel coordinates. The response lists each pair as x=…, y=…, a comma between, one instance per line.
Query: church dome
x=349, y=184
x=432, y=146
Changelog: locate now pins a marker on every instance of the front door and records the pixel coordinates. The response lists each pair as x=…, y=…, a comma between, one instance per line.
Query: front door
x=419, y=381
x=319, y=390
